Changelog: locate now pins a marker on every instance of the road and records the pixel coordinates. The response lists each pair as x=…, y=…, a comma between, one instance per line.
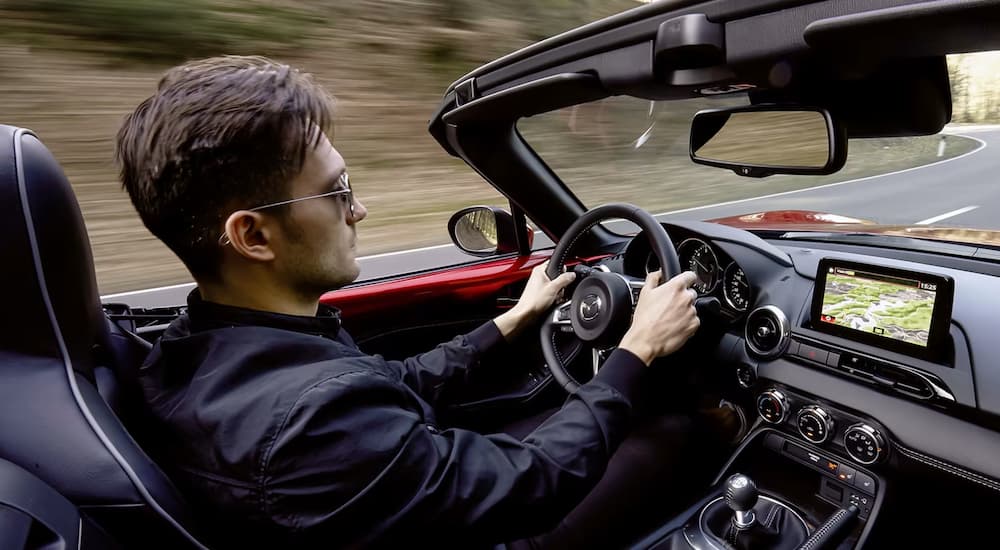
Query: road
x=960, y=192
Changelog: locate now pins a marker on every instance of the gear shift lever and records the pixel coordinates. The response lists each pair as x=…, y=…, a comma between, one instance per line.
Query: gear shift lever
x=741, y=496
x=746, y=520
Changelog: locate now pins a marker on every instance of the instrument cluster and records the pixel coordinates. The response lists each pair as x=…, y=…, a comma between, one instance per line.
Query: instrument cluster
x=718, y=275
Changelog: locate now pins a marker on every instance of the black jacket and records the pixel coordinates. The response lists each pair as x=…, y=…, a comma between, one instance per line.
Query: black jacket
x=284, y=433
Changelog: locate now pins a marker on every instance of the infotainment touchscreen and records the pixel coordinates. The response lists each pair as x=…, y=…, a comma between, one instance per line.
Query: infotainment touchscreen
x=902, y=310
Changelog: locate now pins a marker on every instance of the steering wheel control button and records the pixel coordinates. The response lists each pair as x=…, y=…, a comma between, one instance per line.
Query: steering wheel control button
x=562, y=314
x=864, y=443
x=767, y=332
x=815, y=424
x=772, y=406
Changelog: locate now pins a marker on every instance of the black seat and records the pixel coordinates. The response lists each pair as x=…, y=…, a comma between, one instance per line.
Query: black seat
x=54, y=346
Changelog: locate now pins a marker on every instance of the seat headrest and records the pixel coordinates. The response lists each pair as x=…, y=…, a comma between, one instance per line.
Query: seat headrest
x=47, y=277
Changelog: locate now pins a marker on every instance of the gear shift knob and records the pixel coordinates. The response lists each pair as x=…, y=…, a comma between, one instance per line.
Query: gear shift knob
x=741, y=496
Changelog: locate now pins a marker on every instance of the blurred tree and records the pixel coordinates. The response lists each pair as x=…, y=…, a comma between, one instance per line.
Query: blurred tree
x=160, y=30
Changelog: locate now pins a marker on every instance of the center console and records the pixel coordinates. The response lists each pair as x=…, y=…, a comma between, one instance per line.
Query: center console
x=778, y=492
x=867, y=415
x=834, y=443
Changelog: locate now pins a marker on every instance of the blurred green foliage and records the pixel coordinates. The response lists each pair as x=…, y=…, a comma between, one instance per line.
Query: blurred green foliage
x=452, y=32
x=160, y=30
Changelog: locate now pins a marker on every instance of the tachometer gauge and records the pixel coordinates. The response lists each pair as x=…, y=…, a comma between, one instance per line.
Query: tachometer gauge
x=695, y=255
x=735, y=287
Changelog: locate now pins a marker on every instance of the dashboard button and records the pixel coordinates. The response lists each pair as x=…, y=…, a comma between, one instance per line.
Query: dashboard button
x=793, y=348
x=833, y=359
x=846, y=474
x=864, y=482
x=813, y=353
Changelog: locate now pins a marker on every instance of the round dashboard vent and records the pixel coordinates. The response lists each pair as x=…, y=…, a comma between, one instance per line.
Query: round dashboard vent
x=767, y=332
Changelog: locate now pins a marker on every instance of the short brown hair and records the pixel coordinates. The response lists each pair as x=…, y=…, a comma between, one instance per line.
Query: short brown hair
x=219, y=134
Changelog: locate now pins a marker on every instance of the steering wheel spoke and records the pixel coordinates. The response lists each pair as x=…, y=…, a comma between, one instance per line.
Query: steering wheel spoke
x=599, y=355
x=635, y=284
x=561, y=316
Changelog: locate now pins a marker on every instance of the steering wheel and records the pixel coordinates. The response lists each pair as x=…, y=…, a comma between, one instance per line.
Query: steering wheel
x=600, y=310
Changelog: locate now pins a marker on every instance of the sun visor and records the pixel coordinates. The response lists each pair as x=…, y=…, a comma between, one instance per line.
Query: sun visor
x=904, y=98
x=930, y=28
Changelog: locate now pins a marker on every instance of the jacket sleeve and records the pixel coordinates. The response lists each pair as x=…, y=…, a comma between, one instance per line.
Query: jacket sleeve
x=352, y=457
x=428, y=373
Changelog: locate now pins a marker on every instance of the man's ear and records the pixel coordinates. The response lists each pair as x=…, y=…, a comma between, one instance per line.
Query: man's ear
x=249, y=236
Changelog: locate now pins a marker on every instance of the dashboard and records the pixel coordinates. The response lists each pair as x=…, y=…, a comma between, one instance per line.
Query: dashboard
x=850, y=347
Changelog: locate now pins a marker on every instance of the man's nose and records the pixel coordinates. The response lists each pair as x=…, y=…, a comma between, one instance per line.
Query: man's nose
x=360, y=212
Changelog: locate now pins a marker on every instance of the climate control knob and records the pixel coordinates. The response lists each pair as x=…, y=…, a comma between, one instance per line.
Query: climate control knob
x=815, y=424
x=864, y=443
x=772, y=406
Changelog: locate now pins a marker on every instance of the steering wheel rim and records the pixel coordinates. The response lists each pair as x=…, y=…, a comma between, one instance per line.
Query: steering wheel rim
x=661, y=246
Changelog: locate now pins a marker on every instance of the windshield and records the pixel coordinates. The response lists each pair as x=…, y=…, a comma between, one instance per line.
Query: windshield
x=633, y=150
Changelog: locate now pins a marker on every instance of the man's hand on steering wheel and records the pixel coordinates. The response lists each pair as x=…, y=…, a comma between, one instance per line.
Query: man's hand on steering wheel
x=599, y=315
x=537, y=299
x=665, y=317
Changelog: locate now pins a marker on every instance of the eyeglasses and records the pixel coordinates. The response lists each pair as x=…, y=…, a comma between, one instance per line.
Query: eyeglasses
x=345, y=192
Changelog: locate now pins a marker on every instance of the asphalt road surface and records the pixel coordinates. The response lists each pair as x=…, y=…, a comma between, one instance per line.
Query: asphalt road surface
x=963, y=191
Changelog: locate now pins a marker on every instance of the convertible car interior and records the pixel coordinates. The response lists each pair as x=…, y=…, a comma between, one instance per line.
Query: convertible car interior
x=852, y=436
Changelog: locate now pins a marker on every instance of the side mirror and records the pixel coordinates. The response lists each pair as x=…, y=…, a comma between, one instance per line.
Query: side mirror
x=485, y=231
x=762, y=140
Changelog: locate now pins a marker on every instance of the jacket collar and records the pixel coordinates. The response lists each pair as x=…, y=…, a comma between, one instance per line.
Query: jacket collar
x=205, y=315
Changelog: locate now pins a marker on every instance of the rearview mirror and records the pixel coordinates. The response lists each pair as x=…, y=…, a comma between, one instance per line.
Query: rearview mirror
x=762, y=140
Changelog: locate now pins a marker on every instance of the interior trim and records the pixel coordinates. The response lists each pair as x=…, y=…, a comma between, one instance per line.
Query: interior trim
x=952, y=469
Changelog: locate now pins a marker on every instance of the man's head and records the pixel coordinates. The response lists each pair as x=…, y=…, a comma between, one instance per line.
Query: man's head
x=208, y=156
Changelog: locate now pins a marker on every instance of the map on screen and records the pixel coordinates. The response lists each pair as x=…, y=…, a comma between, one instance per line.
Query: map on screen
x=891, y=307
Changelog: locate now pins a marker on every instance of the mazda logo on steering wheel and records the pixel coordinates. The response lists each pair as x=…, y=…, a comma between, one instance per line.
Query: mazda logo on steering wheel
x=590, y=307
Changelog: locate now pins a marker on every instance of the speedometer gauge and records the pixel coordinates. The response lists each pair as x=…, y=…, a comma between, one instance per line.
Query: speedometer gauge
x=735, y=287
x=695, y=255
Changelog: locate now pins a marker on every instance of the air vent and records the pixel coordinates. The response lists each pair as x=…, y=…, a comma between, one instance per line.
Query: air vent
x=905, y=381
x=767, y=332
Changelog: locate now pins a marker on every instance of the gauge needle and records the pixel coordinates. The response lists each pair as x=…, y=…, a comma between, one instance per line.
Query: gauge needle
x=700, y=264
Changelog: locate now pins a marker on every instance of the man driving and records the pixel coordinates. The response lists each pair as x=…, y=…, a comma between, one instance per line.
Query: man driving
x=272, y=417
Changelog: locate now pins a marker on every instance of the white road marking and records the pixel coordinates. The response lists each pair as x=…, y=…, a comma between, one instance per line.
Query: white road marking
x=398, y=252
x=982, y=145
x=947, y=215
x=112, y=297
